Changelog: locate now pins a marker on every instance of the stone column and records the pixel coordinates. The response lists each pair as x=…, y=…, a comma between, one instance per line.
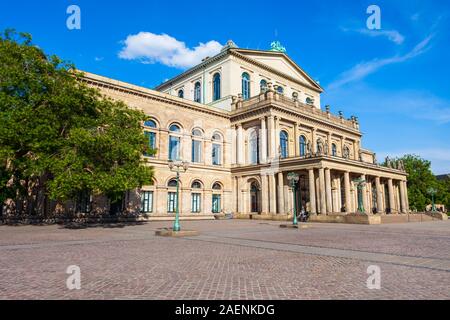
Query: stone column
x=280, y=199
x=338, y=195
x=323, y=205
x=263, y=141
x=391, y=196
x=379, y=195
x=277, y=137
x=241, y=199
x=328, y=190
x=240, y=144
x=312, y=191
x=233, y=145
x=313, y=141
x=402, y=197
x=329, y=144
x=271, y=135
x=235, y=194
x=296, y=141
x=342, y=145
x=364, y=195
x=272, y=193
x=406, y=195
x=355, y=150
x=348, y=206
x=264, y=194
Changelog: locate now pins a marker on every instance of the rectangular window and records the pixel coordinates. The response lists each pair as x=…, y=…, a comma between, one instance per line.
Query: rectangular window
x=196, y=150
x=216, y=206
x=195, y=203
x=146, y=201
x=151, y=136
x=216, y=154
x=172, y=202
x=174, y=148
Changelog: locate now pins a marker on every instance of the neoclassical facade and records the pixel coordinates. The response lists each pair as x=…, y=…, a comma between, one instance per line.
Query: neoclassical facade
x=244, y=119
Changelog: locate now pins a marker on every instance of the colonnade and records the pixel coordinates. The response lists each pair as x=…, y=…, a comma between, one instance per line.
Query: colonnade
x=322, y=190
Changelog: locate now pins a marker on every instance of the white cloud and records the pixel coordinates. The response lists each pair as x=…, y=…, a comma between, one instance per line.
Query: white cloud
x=98, y=59
x=148, y=47
x=363, y=69
x=392, y=35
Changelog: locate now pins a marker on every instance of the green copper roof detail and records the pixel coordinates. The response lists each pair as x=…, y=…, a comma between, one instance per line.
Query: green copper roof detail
x=276, y=46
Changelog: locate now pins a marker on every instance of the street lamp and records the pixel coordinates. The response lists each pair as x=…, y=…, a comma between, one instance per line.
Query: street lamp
x=432, y=191
x=178, y=166
x=360, y=183
x=293, y=179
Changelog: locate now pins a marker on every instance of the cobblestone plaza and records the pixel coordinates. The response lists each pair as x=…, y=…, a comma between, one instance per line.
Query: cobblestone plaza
x=231, y=259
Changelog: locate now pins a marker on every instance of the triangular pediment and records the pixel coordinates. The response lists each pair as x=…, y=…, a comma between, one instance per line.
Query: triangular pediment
x=282, y=63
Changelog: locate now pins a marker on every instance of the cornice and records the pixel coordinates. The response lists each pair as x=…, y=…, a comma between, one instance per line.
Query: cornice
x=102, y=82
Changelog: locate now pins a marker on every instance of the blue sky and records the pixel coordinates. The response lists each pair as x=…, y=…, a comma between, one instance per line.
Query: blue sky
x=395, y=79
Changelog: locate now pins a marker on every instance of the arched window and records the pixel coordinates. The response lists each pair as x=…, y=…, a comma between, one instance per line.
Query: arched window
x=146, y=201
x=216, y=150
x=302, y=146
x=196, y=197
x=196, y=152
x=280, y=89
x=216, y=86
x=283, y=144
x=198, y=92
x=263, y=85
x=150, y=124
x=217, y=186
x=333, y=150
x=150, y=135
x=172, y=183
x=196, y=185
x=174, y=143
x=172, y=199
x=253, y=144
x=174, y=128
x=151, y=138
x=180, y=93
x=245, y=86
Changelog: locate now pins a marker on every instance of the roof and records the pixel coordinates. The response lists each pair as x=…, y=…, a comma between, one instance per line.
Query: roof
x=244, y=53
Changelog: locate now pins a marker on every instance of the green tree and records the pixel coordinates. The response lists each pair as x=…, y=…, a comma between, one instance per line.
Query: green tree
x=420, y=178
x=58, y=136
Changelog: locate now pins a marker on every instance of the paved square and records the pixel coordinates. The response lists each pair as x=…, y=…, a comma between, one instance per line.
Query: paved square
x=231, y=259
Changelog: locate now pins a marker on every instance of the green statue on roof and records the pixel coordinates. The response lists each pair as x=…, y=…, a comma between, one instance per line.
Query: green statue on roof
x=276, y=46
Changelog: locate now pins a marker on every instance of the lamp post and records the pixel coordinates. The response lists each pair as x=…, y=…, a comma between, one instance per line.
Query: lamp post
x=178, y=166
x=293, y=179
x=360, y=182
x=432, y=191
